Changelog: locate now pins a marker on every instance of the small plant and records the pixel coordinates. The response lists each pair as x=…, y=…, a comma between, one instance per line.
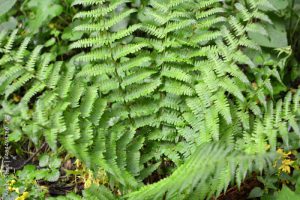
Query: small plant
x=23, y=185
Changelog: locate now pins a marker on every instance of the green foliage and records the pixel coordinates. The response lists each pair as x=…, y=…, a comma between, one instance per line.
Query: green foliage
x=200, y=85
x=43, y=11
x=6, y=5
x=24, y=183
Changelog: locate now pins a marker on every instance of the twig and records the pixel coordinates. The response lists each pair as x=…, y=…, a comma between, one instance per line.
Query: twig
x=31, y=157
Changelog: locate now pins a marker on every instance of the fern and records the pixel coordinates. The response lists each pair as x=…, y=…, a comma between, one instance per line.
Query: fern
x=176, y=83
x=218, y=163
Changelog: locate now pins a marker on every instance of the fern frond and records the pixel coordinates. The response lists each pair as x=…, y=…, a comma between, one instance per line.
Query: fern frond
x=104, y=24
x=88, y=2
x=137, y=77
x=10, y=42
x=177, y=88
x=128, y=49
x=176, y=73
x=194, y=174
x=207, y=13
x=140, y=61
x=222, y=106
x=36, y=88
x=262, y=16
x=96, y=55
x=98, y=41
x=19, y=83
x=135, y=92
x=33, y=58
x=99, y=12
x=244, y=11
x=205, y=4
x=21, y=51
x=230, y=86
x=88, y=101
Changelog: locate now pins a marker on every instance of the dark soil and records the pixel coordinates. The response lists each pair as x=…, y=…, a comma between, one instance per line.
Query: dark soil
x=240, y=194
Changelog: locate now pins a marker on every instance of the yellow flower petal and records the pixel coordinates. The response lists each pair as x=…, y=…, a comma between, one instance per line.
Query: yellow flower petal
x=17, y=190
x=280, y=151
x=23, y=196
x=87, y=183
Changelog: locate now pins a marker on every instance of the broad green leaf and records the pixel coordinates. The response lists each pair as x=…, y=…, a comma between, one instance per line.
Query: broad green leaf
x=53, y=176
x=297, y=187
x=6, y=5
x=256, y=192
x=54, y=163
x=50, y=42
x=286, y=194
x=277, y=36
x=28, y=172
x=10, y=24
x=42, y=173
x=44, y=160
x=44, y=11
x=274, y=5
x=279, y=4
x=71, y=35
x=15, y=136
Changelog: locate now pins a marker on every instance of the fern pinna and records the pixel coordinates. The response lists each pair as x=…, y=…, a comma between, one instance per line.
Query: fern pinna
x=156, y=81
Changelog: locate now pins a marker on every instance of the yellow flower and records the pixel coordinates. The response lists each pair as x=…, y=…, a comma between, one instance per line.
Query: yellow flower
x=280, y=151
x=23, y=196
x=11, y=189
x=12, y=182
x=77, y=163
x=87, y=183
x=285, y=166
x=17, y=190
x=283, y=154
x=287, y=154
x=287, y=162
